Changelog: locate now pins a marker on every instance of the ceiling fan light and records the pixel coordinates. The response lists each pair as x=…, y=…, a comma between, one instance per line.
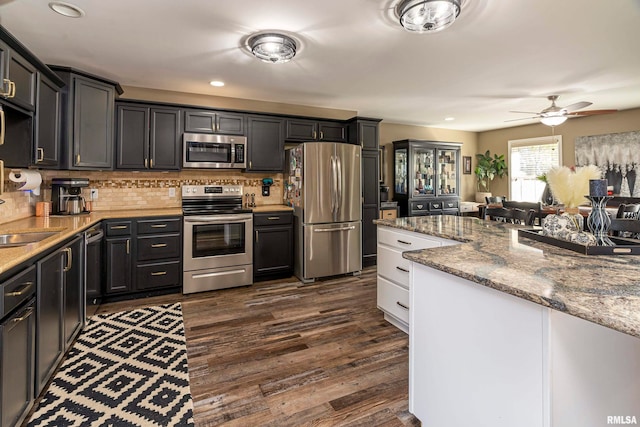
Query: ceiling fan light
x=272, y=47
x=427, y=16
x=553, y=120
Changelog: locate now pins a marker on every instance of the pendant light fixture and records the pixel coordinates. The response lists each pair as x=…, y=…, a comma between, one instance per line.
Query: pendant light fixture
x=427, y=16
x=272, y=47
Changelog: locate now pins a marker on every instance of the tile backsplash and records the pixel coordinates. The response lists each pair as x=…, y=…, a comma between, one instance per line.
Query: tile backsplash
x=135, y=190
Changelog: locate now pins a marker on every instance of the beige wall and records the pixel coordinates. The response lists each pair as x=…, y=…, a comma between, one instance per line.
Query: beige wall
x=155, y=95
x=497, y=140
x=390, y=132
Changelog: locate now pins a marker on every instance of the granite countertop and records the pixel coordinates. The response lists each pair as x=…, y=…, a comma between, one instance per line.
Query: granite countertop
x=601, y=289
x=66, y=227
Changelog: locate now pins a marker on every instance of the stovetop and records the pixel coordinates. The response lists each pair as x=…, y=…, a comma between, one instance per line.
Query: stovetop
x=212, y=200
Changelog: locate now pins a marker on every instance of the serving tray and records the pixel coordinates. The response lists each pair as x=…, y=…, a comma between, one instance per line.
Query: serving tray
x=622, y=246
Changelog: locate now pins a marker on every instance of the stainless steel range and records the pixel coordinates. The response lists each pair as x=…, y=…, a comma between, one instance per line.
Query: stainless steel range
x=218, y=238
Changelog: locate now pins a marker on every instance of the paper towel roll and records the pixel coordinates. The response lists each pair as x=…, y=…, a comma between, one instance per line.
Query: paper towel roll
x=31, y=180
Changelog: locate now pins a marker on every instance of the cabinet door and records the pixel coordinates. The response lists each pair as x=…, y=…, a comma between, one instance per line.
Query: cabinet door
x=4, y=56
x=230, y=123
x=132, y=137
x=266, y=144
x=73, y=289
x=23, y=75
x=302, y=130
x=47, y=130
x=370, y=205
x=49, y=303
x=164, y=143
x=368, y=133
x=369, y=243
x=17, y=342
x=332, y=131
x=200, y=121
x=94, y=258
x=92, y=124
x=273, y=250
x=119, y=263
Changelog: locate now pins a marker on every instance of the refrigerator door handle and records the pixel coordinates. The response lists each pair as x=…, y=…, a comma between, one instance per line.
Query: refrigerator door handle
x=329, y=230
x=339, y=189
x=333, y=187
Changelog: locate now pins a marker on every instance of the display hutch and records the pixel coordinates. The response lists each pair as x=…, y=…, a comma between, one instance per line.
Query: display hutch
x=426, y=177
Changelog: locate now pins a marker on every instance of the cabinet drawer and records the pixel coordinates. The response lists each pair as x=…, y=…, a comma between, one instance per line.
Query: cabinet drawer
x=392, y=266
x=160, y=225
x=158, y=275
x=419, y=206
x=435, y=206
x=272, y=218
x=393, y=299
x=406, y=240
x=118, y=228
x=158, y=247
x=17, y=289
x=450, y=204
x=388, y=214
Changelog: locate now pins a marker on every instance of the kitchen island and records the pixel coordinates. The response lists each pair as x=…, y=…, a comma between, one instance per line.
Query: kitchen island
x=507, y=331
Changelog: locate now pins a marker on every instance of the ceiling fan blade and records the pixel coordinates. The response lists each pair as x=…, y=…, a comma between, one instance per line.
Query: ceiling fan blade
x=577, y=106
x=590, y=112
x=524, y=112
x=522, y=118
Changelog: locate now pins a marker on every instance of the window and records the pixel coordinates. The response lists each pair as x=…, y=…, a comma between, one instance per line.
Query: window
x=528, y=159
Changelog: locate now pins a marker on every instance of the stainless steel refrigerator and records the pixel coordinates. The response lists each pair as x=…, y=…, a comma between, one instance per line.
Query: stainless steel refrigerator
x=323, y=184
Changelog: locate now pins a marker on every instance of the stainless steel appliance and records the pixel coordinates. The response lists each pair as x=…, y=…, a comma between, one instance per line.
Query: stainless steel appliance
x=324, y=187
x=206, y=151
x=218, y=238
x=65, y=196
x=93, y=254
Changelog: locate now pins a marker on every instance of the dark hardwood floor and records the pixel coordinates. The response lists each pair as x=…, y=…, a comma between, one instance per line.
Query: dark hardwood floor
x=281, y=353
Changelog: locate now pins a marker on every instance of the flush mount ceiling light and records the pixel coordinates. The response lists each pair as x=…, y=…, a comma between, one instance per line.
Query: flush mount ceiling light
x=216, y=83
x=272, y=47
x=553, y=120
x=66, y=9
x=427, y=16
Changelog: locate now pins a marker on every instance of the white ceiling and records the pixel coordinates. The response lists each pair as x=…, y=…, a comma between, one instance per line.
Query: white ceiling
x=500, y=55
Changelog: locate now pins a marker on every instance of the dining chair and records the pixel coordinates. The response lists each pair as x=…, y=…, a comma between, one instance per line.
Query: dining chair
x=512, y=215
x=536, y=206
x=495, y=199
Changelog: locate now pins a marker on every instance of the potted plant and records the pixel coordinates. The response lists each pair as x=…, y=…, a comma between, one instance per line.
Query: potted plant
x=488, y=168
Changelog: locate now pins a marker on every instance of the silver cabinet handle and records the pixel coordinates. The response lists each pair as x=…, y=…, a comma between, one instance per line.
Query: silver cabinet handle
x=257, y=234
x=273, y=218
x=402, y=305
x=128, y=246
x=404, y=243
x=404, y=270
x=159, y=273
x=24, y=316
x=26, y=287
x=1, y=126
x=118, y=227
x=69, y=259
x=321, y=135
x=40, y=154
x=159, y=245
x=159, y=226
x=9, y=83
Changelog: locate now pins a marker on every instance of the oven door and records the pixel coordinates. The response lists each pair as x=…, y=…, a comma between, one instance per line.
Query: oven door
x=213, y=241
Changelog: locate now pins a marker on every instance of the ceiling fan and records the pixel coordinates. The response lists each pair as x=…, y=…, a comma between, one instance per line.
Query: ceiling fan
x=554, y=115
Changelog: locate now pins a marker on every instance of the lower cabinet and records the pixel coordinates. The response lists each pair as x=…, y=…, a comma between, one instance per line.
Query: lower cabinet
x=143, y=254
x=59, y=302
x=17, y=346
x=272, y=245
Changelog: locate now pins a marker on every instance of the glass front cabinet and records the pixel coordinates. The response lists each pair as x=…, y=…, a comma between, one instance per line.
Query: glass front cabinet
x=426, y=177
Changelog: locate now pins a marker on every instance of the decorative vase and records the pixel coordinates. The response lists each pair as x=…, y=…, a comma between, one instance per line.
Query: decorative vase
x=547, y=196
x=598, y=220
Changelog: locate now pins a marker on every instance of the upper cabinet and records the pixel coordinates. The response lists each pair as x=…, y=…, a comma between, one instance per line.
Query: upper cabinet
x=47, y=128
x=87, y=120
x=265, y=142
x=311, y=130
x=18, y=78
x=147, y=137
x=214, y=122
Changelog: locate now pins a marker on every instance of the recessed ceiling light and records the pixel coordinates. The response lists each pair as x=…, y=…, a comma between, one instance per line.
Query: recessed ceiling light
x=66, y=9
x=216, y=83
x=449, y=119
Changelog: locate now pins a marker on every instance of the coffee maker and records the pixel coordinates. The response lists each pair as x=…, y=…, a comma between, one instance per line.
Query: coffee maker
x=64, y=190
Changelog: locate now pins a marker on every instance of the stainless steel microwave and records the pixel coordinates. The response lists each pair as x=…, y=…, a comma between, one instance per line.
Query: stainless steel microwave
x=206, y=151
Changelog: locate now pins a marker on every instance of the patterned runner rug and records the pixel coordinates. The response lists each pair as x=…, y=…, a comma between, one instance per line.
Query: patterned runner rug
x=125, y=369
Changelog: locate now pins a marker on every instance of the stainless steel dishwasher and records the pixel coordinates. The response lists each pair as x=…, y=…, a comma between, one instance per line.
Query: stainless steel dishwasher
x=94, y=269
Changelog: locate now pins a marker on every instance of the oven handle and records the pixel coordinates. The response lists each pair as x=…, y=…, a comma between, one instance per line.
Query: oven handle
x=219, y=219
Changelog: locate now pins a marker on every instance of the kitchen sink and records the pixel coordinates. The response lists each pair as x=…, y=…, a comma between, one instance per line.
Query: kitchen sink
x=20, y=239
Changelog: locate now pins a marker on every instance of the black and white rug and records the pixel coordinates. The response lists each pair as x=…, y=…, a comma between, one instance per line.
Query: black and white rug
x=125, y=369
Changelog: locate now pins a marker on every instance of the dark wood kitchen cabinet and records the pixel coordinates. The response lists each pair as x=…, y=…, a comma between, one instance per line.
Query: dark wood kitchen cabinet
x=143, y=254
x=312, y=130
x=47, y=127
x=88, y=104
x=17, y=78
x=225, y=122
x=147, y=137
x=272, y=245
x=265, y=140
x=59, y=306
x=17, y=346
